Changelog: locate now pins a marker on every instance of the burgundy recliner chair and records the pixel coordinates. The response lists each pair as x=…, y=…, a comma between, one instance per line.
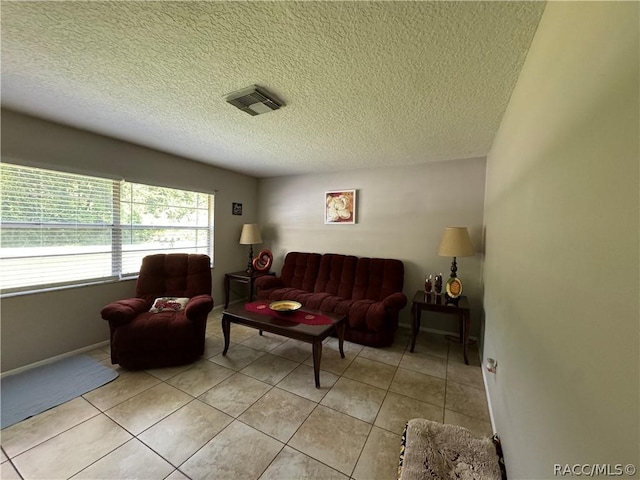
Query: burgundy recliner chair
x=141, y=339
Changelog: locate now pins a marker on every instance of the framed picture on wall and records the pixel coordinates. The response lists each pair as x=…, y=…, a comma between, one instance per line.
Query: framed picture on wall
x=340, y=207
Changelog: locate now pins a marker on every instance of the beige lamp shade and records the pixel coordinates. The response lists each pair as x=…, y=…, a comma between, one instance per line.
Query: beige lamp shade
x=250, y=234
x=456, y=243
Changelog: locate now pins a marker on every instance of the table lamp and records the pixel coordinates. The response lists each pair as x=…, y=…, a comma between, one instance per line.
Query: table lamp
x=455, y=243
x=250, y=236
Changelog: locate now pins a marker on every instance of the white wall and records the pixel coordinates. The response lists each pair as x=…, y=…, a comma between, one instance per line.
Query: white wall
x=402, y=212
x=39, y=326
x=562, y=236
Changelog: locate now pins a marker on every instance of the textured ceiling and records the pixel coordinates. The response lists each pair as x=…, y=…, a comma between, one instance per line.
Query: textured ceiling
x=365, y=84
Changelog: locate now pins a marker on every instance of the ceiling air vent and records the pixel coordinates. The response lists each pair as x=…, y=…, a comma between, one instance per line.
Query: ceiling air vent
x=254, y=100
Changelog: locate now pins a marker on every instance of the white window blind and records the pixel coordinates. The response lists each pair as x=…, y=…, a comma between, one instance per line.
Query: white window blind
x=162, y=220
x=65, y=229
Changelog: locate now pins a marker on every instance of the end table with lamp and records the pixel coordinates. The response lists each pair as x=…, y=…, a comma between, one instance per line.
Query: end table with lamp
x=438, y=303
x=250, y=235
x=455, y=243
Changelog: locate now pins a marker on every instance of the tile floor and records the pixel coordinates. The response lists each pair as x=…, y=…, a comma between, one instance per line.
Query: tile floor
x=254, y=414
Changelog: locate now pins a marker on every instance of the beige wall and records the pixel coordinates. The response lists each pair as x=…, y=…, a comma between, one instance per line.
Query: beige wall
x=38, y=326
x=401, y=214
x=562, y=234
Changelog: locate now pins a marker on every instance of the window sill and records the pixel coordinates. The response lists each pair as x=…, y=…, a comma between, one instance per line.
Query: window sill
x=66, y=287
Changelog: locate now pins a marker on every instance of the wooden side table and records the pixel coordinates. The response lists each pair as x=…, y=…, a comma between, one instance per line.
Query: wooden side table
x=436, y=303
x=241, y=277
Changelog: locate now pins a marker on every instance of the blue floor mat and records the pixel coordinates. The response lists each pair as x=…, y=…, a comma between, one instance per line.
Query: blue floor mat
x=33, y=391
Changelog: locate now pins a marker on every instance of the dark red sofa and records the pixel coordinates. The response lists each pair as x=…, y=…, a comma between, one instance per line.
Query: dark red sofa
x=367, y=290
x=141, y=339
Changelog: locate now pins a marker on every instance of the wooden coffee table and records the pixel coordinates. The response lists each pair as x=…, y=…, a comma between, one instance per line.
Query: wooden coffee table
x=313, y=334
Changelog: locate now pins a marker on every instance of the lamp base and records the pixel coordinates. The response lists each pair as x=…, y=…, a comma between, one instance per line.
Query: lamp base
x=449, y=300
x=454, y=268
x=249, y=268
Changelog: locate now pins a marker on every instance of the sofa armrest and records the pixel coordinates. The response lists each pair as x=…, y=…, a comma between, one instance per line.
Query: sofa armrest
x=198, y=306
x=123, y=311
x=395, y=301
x=267, y=282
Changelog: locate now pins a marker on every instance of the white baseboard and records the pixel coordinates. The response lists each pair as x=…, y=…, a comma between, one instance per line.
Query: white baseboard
x=54, y=359
x=486, y=391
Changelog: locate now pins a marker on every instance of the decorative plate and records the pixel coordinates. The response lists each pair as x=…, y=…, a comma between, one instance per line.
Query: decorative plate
x=285, y=306
x=454, y=287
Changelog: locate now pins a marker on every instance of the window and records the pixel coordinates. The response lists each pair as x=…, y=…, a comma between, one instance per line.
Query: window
x=65, y=229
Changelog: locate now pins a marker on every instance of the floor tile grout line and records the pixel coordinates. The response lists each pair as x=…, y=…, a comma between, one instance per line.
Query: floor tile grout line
x=272, y=460
x=176, y=467
x=374, y=420
x=154, y=424
x=115, y=405
x=203, y=446
x=269, y=435
x=256, y=401
x=298, y=364
x=446, y=384
x=181, y=472
x=379, y=409
x=319, y=461
x=133, y=437
x=355, y=465
x=15, y=467
x=285, y=444
x=371, y=425
x=56, y=435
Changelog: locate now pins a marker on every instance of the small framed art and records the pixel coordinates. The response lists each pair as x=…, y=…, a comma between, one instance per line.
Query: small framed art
x=340, y=207
x=236, y=208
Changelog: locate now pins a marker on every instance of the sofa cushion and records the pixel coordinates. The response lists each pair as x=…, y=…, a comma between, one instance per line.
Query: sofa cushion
x=300, y=270
x=336, y=275
x=167, y=330
x=286, y=294
x=123, y=311
x=316, y=300
x=175, y=275
x=336, y=304
x=377, y=278
x=367, y=315
x=267, y=282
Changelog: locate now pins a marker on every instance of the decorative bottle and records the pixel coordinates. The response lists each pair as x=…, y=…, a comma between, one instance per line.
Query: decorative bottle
x=438, y=283
x=428, y=284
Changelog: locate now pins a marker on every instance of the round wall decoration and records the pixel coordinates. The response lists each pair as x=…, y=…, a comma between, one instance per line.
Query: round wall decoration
x=262, y=263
